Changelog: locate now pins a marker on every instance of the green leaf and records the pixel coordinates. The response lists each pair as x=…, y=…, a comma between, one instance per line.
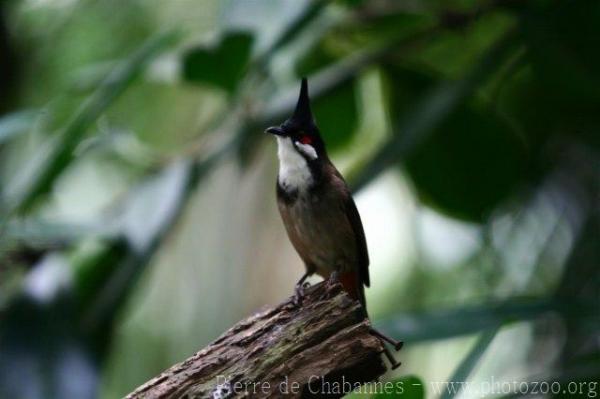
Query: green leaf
x=16, y=123
x=61, y=152
x=413, y=127
x=24, y=241
x=409, y=387
x=441, y=324
x=38, y=232
x=355, y=35
x=471, y=148
x=558, y=93
x=352, y=3
x=452, y=52
x=328, y=108
x=403, y=84
x=293, y=29
x=466, y=367
x=563, y=43
x=222, y=65
x=314, y=60
x=96, y=265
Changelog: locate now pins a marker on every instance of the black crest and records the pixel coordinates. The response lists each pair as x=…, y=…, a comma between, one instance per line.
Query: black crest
x=303, y=119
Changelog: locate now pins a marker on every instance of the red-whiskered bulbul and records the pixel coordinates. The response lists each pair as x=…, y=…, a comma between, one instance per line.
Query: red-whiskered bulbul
x=317, y=208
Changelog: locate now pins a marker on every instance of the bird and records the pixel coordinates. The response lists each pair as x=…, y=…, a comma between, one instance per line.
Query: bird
x=319, y=214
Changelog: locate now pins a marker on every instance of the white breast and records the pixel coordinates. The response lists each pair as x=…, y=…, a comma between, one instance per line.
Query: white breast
x=294, y=172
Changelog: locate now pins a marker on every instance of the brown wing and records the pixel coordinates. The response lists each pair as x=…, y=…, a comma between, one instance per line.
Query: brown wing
x=361, y=242
x=357, y=228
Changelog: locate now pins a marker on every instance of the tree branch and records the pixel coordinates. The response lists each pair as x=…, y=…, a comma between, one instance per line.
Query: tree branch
x=322, y=348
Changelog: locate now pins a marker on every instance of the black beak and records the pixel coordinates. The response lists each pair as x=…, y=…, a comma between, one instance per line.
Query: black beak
x=301, y=120
x=276, y=130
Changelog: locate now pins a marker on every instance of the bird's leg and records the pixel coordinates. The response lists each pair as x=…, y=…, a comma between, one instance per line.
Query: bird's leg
x=301, y=285
x=396, y=344
x=333, y=279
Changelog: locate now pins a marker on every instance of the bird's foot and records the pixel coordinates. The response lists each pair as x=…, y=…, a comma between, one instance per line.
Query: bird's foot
x=299, y=293
x=299, y=290
x=333, y=279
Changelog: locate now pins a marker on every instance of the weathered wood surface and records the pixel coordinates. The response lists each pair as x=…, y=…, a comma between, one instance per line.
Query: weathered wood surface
x=286, y=351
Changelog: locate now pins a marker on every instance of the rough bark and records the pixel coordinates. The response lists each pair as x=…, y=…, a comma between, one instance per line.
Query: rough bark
x=322, y=348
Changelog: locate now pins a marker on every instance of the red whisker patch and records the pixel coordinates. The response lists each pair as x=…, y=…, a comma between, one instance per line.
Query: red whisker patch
x=306, y=139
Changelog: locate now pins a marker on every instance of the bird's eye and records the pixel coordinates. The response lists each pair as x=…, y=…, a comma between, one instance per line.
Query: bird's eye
x=305, y=139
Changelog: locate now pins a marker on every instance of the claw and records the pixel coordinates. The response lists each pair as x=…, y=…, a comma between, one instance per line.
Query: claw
x=299, y=293
x=334, y=278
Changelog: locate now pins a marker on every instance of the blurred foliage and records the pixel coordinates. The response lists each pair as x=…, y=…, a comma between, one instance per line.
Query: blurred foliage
x=341, y=101
x=468, y=364
x=491, y=111
x=222, y=66
x=451, y=149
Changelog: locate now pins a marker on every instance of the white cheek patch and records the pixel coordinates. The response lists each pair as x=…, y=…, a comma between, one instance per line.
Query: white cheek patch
x=294, y=173
x=307, y=150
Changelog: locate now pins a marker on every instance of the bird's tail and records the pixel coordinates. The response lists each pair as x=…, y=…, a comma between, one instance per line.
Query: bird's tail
x=355, y=288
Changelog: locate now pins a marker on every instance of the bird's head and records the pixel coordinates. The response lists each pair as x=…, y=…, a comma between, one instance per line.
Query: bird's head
x=300, y=130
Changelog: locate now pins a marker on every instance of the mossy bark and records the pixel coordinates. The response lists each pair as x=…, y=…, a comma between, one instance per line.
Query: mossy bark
x=322, y=348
